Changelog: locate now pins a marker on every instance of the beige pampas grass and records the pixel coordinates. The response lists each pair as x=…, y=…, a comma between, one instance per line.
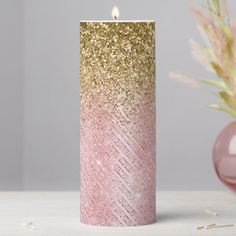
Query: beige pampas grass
x=184, y=79
x=217, y=54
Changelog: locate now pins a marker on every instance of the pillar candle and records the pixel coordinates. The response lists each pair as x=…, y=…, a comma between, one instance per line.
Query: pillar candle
x=117, y=123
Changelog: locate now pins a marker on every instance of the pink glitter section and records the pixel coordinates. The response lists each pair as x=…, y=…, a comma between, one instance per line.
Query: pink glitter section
x=118, y=167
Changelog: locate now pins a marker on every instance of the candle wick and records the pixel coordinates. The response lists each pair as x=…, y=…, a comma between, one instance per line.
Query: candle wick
x=115, y=13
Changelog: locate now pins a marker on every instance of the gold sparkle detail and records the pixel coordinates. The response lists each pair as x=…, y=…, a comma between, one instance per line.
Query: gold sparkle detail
x=117, y=65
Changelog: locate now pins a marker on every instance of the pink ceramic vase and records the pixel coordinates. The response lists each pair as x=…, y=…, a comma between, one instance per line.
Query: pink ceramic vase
x=224, y=156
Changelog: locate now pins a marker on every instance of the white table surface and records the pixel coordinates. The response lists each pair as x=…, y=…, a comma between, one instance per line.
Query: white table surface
x=57, y=214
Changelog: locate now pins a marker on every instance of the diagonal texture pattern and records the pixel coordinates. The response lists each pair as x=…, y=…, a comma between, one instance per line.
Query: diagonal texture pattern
x=117, y=126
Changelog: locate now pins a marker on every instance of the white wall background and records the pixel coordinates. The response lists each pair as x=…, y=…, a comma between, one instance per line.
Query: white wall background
x=39, y=68
x=11, y=93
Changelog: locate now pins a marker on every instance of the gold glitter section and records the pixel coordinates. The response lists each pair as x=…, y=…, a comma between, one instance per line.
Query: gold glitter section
x=117, y=65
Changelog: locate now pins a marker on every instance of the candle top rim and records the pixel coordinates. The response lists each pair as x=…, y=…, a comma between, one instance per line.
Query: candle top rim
x=116, y=21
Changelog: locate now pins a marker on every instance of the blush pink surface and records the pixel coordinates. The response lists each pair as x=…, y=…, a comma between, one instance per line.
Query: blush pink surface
x=118, y=167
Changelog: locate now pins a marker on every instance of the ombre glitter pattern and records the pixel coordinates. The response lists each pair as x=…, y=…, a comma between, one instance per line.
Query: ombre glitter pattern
x=117, y=123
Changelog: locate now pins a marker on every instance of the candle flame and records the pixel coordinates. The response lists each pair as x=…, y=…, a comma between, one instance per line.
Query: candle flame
x=115, y=13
